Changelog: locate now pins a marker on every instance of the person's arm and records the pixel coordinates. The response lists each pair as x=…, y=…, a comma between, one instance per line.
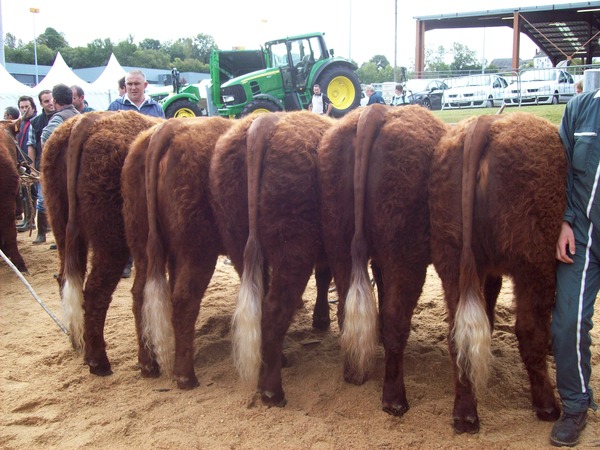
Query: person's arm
x=329, y=108
x=567, y=135
x=565, y=243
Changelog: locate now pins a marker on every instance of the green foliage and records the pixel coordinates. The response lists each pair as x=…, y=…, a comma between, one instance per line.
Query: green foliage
x=187, y=54
x=371, y=73
x=380, y=61
x=552, y=113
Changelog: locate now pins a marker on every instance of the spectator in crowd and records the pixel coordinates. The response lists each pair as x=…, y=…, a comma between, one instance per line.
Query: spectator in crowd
x=79, y=101
x=578, y=270
x=579, y=87
x=27, y=110
x=121, y=87
x=320, y=103
x=374, y=97
x=136, y=99
x=62, y=97
x=399, y=98
x=34, y=139
x=11, y=113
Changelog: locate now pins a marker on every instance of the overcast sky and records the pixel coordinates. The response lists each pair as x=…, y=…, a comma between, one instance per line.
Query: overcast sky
x=358, y=29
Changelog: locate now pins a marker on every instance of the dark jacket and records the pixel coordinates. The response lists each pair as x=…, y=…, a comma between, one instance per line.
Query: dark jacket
x=376, y=98
x=150, y=107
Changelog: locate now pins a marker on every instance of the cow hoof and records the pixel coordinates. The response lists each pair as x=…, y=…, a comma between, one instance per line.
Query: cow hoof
x=100, y=370
x=185, y=383
x=548, y=414
x=150, y=372
x=468, y=425
x=321, y=323
x=284, y=362
x=272, y=399
x=397, y=410
x=354, y=379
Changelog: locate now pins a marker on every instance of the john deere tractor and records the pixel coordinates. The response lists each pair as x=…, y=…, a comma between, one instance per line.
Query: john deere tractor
x=280, y=77
x=183, y=101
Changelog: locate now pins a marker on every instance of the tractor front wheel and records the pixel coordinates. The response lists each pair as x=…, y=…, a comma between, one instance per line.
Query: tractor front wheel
x=183, y=108
x=342, y=86
x=259, y=106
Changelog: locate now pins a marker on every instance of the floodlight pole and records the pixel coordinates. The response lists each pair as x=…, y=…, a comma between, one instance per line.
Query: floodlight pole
x=33, y=12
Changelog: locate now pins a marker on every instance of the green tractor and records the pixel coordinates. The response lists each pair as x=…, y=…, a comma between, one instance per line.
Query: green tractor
x=280, y=77
x=183, y=101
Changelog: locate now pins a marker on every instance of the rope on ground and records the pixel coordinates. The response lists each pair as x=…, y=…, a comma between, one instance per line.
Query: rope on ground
x=26, y=283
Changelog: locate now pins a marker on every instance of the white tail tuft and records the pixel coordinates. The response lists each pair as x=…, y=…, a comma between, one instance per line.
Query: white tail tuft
x=359, y=333
x=157, y=328
x=246, y=323
x=72, y=305
x=473, y=339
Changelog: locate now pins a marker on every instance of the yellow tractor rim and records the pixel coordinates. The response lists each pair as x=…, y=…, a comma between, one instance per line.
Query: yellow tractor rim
x=184, y=112
x=341, y=92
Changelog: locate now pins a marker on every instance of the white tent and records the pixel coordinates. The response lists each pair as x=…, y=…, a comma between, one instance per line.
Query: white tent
x=104, y=90
x=11, y=90
x=60, y=73
x=110, y=75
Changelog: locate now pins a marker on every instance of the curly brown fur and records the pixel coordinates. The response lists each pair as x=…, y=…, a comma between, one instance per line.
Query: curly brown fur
x=395, y=220
x=98, y=214
x=289, y=231
x=168, y=216
x=517, y=211
x=9, y=188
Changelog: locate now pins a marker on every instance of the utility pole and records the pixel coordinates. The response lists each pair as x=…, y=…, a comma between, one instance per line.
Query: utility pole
x=395, y=41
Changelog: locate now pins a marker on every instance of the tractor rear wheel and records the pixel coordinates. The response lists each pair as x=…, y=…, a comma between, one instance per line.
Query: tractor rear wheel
x=183, y=108
x=259, y=106
x=342, y=86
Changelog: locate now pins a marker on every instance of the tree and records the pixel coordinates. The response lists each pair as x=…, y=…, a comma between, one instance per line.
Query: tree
x=150, y=44
x=204, y=44
x=52, y=39
x=464, y=58
x=380, y=61
x=435, y=60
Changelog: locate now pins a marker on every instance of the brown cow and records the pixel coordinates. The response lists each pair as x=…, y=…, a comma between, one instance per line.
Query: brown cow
x=168, y=217
x=374, y=169
x=9, y=188
x=263, y=181
x=81, y=170
x=496, y=196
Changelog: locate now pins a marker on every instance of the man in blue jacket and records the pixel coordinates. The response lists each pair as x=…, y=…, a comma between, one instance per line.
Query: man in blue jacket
x=135, y=98
x=578, y=272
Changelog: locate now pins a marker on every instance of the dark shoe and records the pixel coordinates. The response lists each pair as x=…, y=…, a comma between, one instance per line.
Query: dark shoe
x=39, y=239
x=127, y=271
x=25, y=227
x=565, y=432
x=53, y=247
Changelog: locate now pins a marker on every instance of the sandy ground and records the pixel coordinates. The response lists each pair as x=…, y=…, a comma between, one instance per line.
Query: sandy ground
x=49, y=399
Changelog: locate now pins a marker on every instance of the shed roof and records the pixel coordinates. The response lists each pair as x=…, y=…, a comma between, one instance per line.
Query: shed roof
x=562, y=32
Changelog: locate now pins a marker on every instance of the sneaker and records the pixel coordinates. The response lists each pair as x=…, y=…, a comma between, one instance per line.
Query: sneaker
x=126, y=272
x=565, y=432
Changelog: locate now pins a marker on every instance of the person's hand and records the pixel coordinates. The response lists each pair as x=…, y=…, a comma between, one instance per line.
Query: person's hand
x=565, y=243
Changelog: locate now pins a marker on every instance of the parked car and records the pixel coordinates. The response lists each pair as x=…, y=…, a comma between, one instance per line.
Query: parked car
x=425, y=92
x=540, y=86
x=475, y=91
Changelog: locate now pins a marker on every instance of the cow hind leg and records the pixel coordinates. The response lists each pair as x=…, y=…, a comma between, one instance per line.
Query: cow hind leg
x=277, y=314
x=146, y=358
x=403, y=288
x=107, y=267
x=323, y=277
x=191, y=280
x=534, y=299
x=464, y=415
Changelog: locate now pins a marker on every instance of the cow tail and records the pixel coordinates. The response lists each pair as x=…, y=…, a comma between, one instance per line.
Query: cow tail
x=73, y=271
x=246, y=321
x=471, y=331
x=157, y=309
x=359, y=332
